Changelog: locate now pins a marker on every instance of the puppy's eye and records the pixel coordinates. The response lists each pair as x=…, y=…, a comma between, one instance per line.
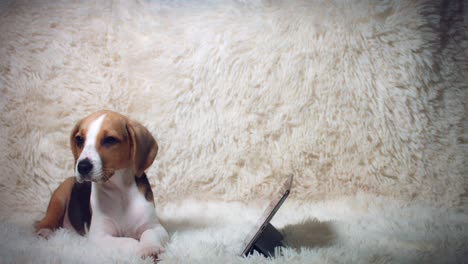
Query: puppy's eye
x=109, y=141
x=79, y=140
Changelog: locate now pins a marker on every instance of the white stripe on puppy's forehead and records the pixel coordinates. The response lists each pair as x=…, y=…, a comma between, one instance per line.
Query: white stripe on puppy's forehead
x=93, y=131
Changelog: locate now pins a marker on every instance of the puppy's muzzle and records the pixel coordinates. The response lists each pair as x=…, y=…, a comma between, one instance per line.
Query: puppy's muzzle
x=84, y=168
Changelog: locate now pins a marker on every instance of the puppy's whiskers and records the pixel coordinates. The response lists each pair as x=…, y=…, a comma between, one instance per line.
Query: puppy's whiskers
x=106, y=174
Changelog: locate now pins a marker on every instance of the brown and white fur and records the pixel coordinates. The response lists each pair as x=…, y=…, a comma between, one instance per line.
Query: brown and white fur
x=110, y=193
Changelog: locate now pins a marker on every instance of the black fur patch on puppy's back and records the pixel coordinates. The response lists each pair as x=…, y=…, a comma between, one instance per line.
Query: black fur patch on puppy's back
x=79, y=208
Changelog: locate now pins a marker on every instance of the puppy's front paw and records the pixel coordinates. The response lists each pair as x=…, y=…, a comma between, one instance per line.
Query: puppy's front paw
x=150, y=251
x=45, y=232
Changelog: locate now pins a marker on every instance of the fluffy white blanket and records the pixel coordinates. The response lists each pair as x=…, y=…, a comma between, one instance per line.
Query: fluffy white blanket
x=363, y=101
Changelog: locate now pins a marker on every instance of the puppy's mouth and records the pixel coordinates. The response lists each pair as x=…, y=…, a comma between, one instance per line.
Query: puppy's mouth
x=84, y=178
x=99, y=178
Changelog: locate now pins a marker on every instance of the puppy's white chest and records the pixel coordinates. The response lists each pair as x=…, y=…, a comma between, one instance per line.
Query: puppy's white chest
x=137, y=217
x=121, y=213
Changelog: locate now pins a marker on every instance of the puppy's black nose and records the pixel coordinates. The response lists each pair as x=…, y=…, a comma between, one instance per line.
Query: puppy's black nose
x=84, y=167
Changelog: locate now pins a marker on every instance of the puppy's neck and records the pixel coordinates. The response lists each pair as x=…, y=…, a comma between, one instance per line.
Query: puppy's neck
x=112, y=197
x=121, y=181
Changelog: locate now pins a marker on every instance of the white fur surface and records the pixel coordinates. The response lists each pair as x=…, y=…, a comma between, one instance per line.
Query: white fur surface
x=360, y=100
x=361, y=229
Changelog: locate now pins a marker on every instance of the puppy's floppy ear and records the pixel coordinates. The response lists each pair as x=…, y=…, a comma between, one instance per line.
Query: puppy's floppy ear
x=143, y=147
x=73, y=147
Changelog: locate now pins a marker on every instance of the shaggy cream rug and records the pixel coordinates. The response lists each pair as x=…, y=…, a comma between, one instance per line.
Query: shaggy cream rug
x=363, y=101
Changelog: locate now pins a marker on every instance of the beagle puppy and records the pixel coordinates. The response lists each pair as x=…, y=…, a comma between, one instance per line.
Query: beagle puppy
x=109, y=197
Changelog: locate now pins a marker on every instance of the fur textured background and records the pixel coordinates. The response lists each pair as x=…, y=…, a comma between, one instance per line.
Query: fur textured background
x=363, y=101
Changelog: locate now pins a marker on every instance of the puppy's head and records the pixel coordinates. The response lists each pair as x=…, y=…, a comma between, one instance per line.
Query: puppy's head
x=106, y=141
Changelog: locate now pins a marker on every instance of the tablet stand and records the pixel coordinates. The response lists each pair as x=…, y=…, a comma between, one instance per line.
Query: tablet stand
x=265, y=244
